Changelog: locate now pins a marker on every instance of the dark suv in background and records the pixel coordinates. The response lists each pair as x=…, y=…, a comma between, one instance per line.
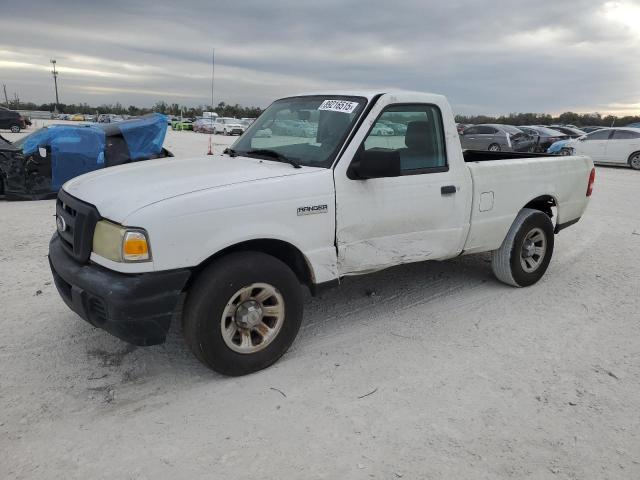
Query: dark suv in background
x=11, y=120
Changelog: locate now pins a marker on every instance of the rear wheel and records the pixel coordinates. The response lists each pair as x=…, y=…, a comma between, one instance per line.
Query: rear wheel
x=525, y=253
x=243, y=313
x=494, y=147
x=634, y=161
x=15, y=128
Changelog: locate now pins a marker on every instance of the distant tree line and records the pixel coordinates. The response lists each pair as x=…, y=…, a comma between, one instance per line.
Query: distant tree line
x=567, y=118
x=222, y=109
x=226, y=110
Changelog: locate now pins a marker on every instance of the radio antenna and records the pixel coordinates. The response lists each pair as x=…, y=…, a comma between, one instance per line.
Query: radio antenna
x=213, y=66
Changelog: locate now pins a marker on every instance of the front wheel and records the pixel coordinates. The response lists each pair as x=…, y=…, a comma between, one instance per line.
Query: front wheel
x=15, y=128
x=565, y=152
x=634, y=161
x=494, y=147
x=525, y=253
x=243, y=313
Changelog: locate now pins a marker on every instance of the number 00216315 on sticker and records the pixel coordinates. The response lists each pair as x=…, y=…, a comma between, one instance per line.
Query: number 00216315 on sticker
x=338, y=106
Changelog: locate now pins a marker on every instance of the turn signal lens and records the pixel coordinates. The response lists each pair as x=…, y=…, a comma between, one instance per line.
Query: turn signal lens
x=135, y=247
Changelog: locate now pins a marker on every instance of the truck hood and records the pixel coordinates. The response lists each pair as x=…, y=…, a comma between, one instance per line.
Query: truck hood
x=119, y=191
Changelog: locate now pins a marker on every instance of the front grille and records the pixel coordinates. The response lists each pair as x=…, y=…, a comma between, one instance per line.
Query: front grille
x=80, y=220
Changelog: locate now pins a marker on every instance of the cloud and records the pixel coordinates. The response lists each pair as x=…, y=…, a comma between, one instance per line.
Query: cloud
x=513, y=56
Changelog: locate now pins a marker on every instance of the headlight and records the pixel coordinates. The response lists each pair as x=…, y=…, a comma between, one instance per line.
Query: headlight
x=120, y=244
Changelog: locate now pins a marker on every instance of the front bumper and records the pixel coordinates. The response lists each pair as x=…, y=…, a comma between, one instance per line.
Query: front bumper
x=136, y=308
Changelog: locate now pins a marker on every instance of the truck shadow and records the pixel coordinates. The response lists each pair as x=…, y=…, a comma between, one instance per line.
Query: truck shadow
x=370, y=299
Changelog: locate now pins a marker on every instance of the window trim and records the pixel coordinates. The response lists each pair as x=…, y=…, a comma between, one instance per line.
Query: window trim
x=417, y=171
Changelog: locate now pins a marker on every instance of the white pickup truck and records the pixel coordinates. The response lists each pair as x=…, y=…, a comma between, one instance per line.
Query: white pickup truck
x=310, y=193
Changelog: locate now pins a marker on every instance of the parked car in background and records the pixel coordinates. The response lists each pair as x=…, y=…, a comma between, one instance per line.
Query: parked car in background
x=633, y=125
x=204, y=125
x=184, y=124
x=263, y=133
x=398, y=128
x=571, y=132
x=382, y=130
x=11, y=120
x=461, y=127
x=228, y=126
x=609, y=146
x=544, y=137
x=557, y=148
x=496, y=138
x=109, y=118
x=78, y=117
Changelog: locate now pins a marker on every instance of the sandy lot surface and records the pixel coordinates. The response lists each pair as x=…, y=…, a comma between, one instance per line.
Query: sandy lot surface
x=430, y=371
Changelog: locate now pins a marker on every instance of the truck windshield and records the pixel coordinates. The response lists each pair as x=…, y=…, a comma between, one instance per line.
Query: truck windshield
x=308, y=130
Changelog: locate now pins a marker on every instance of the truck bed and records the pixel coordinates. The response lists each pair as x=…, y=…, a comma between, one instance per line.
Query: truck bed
x=502, y=187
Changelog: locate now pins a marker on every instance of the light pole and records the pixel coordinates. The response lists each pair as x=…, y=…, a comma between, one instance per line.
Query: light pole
x=55, y=82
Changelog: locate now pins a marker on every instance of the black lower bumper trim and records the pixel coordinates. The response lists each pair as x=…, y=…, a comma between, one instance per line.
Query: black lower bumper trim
x=562, y=226
x=136, y=308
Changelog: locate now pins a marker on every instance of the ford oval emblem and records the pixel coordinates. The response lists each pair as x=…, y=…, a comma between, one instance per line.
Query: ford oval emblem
x=61, y=224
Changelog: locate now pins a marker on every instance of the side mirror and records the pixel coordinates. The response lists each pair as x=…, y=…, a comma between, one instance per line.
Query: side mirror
x=43, y=152
x=375, y=164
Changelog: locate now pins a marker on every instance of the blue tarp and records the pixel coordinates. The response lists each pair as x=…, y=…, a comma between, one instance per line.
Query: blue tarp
x=144, y=135
x=78, y=149
x=557, y=146
x=74, y=150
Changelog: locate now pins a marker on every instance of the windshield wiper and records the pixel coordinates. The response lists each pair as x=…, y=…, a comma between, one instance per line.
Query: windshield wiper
x=230, y=151
x=275, y=155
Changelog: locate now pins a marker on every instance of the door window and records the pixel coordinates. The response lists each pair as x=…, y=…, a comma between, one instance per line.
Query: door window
x=625, y=135
x=599, y=135
x=416, y=132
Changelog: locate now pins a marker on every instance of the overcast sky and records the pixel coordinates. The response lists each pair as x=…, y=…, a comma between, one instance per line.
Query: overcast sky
x=495, y=56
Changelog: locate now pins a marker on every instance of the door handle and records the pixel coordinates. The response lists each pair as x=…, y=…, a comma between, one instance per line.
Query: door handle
x=448, y=190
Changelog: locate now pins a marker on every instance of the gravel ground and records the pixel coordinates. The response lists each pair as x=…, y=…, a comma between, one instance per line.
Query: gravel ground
x=427, y=371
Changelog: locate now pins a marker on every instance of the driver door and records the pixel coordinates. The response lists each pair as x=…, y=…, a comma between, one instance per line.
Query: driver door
x=420, y=215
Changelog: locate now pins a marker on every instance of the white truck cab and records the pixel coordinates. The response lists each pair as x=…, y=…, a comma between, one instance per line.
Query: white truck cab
x=324, y=195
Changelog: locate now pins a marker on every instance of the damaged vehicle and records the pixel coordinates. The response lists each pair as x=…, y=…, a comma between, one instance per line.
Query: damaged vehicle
x=230, y=241
x=36, y=166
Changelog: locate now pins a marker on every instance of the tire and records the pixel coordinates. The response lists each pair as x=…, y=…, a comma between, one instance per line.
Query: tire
x=634, y=161
x=494, y=147
x=214, y=302
x=565, y=152
x=511, y=263
x=15, y=128
x=226, y=132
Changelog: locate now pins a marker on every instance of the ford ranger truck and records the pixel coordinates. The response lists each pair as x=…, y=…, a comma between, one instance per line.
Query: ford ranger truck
x=310, y=193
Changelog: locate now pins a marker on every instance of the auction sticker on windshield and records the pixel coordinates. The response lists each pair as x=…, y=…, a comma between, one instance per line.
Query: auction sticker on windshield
x=338, y=106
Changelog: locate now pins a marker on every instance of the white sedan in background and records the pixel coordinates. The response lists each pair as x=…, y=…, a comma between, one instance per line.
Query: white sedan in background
x=611, y=146
x=228, y=126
